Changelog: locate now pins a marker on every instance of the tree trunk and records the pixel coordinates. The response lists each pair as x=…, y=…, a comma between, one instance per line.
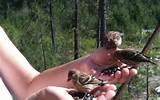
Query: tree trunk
x=52, y=24
x=76, y=30
x=43, y=52
x=101, y=27
x=103, y=21
x=98, y=26
x=7, y=7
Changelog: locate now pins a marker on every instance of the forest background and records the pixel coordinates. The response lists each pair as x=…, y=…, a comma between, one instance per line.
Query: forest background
x=43, y=30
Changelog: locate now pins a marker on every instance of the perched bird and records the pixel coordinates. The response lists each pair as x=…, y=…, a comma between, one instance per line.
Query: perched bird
x=84, y=82
x=113, y=39
x=131, y=57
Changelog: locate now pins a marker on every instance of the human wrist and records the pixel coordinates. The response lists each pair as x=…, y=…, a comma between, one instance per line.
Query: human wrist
x=82, y=64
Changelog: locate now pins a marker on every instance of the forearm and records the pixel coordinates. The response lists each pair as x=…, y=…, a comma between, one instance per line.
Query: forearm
x=50, y=93
x=56, y=76
x=19, y=76
x=23, y=80
x=15, y=71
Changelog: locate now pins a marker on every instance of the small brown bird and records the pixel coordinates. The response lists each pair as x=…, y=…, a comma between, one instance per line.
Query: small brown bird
x=113, y=39
x=131, y=57
x=84, y=82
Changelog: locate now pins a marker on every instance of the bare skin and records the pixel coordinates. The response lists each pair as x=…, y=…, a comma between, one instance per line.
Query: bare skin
x=23, y=80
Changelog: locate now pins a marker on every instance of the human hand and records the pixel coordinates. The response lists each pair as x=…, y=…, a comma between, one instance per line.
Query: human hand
x=103, y=58
x=58, y=93
x=106, y=92
x=51, y=93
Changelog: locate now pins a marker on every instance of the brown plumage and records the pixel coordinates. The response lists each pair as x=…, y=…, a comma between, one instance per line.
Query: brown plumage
x=84, y=82
x=113, y=39
x=131, y=57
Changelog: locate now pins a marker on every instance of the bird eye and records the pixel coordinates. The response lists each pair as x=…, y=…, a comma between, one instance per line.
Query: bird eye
x=118, y=37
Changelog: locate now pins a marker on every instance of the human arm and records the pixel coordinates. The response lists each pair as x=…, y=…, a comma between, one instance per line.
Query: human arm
x=23, y=80
x=59, y=93
x=15, y=70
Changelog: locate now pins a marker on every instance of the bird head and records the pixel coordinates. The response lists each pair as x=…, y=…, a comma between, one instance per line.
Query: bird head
x=114, y=39
x=72, y=74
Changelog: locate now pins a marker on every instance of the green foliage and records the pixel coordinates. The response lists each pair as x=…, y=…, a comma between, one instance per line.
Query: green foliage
x=27, y=23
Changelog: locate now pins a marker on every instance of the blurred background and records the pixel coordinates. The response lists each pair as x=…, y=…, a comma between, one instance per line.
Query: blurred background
x=53, y=32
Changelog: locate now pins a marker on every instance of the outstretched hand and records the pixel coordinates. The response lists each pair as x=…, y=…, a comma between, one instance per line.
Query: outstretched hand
x=103, y=58
x=51, y=93
x=27, y=78
x=59, y=93
x=92, y=64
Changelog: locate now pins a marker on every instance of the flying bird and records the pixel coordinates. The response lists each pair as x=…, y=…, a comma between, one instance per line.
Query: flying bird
x=132, y=57
x=84, y=82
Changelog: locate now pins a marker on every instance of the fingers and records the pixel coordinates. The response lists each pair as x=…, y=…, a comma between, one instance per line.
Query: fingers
x=107, y=92
x=50, y=93
x=109, y=87
x=125, y=75
x=120, y=76
x=107, y=96
x=103, y=89
x=133, y=72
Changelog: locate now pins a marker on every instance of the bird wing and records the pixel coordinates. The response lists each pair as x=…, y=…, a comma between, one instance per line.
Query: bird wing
x=84, y=79
x=89, y=80
x=144, y=50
